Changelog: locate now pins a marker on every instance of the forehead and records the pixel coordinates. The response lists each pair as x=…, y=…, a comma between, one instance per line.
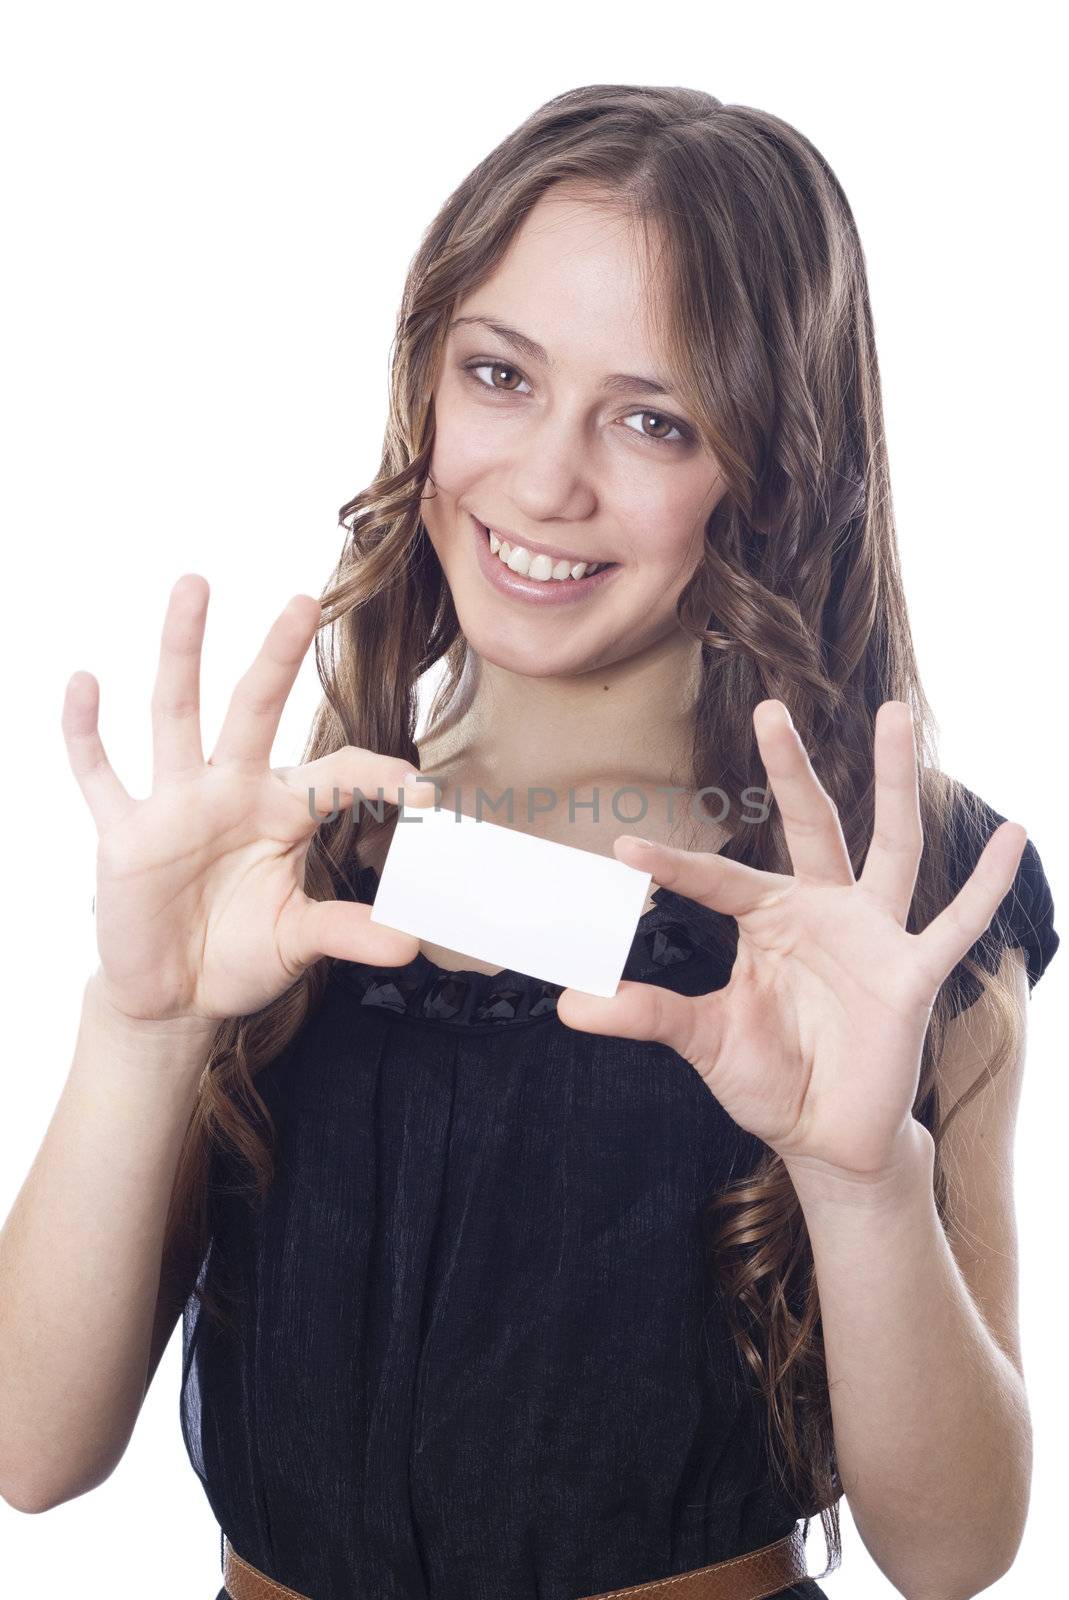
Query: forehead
x=578, y=279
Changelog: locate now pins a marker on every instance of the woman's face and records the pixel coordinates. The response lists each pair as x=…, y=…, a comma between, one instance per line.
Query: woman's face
x=561, y=451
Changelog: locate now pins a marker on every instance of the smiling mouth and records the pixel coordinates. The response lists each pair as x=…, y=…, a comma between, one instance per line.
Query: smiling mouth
x=538, y=567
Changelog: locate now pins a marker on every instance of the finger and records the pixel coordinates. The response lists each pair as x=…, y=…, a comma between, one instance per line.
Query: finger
x=106, y=797
x=341, y=929
x=333, y=782
x=176, y=746
x=690, y=1026
x=810, y=820
x=891, y=864
x=252, y=718
x=951, y=934
x=710, y=879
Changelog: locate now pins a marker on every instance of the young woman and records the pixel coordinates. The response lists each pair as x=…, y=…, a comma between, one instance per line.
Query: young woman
x=492, y=1288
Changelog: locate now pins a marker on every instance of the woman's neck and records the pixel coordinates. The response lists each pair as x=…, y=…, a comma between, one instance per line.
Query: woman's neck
x=630, y=724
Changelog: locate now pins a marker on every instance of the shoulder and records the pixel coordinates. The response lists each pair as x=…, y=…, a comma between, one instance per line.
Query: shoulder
x=1024, y=918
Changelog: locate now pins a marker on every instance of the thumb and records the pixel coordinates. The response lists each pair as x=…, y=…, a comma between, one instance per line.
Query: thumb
x=635, y=1011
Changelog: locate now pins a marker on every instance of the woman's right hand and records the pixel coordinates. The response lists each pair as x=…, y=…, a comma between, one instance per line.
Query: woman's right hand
x=200, y=910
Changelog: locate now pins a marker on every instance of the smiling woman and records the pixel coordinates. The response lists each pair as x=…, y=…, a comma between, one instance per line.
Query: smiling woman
x=492, y=1288
x=568, y=463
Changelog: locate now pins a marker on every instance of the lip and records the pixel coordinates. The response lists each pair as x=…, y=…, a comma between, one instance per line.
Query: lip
x=553, y=592
x=537, y=549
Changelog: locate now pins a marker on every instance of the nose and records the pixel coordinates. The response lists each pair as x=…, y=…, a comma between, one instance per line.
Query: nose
x=551, y=475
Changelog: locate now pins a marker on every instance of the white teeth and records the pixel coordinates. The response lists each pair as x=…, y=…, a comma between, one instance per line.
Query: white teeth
x=542, y=568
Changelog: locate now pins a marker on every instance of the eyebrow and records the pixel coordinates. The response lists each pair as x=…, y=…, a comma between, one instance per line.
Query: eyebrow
x=533, y=351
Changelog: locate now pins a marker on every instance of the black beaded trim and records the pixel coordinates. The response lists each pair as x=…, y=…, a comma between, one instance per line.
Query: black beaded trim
x=669, y=945
x=425, y=992
x=429, y=993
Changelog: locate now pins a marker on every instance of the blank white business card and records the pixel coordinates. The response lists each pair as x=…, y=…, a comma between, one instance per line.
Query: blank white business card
x=550, y=910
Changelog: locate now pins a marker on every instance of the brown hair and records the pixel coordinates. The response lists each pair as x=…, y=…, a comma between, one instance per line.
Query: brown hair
x=764, y=311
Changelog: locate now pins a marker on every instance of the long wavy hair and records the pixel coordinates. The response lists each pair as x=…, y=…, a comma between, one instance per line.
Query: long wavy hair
x=764, y=312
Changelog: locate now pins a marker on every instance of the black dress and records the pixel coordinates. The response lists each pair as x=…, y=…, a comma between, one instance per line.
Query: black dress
x=478, y=1352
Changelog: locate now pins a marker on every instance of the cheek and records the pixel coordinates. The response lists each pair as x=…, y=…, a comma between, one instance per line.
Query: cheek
x=463, y=449
x=666, y=528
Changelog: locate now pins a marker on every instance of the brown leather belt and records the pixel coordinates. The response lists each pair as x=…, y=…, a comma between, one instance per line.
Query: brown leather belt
x=750, y=1577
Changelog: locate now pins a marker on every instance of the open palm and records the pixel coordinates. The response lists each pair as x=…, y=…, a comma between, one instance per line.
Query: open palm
x=814, y=1045
x=201, y=911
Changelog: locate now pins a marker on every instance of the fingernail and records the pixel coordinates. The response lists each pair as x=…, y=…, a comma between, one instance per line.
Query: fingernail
x=648, y=843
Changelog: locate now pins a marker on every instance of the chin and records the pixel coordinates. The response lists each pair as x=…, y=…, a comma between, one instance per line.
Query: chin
x=505, y=647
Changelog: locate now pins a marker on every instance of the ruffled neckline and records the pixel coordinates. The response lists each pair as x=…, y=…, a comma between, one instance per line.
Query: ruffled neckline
x=674, y=932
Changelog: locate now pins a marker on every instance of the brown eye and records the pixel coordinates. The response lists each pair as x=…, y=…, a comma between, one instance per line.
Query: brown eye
x=674, y=433
x=665, y=422
x=495, y=368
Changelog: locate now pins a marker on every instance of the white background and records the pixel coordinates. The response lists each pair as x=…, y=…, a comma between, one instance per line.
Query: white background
x=209, y=210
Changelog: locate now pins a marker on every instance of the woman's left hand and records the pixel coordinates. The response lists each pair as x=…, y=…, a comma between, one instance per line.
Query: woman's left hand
x=814, y=1045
